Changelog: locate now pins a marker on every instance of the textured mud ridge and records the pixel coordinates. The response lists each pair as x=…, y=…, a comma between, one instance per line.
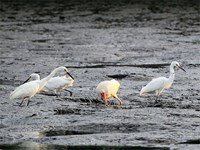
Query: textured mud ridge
x=131, y=41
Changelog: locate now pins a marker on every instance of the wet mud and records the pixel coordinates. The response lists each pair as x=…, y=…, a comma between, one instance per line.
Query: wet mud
x=131, y=41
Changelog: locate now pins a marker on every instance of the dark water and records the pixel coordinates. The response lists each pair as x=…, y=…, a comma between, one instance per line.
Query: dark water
x=32, y=146
x=63, y=133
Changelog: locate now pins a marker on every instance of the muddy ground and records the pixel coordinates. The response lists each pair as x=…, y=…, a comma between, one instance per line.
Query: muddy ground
x=132, y=41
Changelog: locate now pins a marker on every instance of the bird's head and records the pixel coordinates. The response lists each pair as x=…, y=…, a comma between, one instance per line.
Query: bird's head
x=62, y=68
x=67, y=72
x=32, y=76
x=35, y=76
x=176, y=64
x=27, y=79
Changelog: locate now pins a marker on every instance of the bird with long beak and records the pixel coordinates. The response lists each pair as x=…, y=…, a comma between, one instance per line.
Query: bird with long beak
x=55, y=84
x=29, y=89
x=59, y=83
x=157, y=85
x=108, y=89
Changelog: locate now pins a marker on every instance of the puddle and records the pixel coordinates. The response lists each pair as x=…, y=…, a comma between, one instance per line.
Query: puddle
x=63, y=133
x=104, y=65
x=40, y=40
x=75, y=111
x=38, y=146
x=152, y=65
x=42, y=49
x=118, y=76
x=194, y=141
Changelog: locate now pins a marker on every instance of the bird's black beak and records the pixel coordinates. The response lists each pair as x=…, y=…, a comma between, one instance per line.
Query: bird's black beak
x=69, y=75
x=27, y=80
x=182, y=68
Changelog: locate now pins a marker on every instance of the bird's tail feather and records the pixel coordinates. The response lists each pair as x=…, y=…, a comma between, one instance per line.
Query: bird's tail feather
x=142, y=91
x=11, y=95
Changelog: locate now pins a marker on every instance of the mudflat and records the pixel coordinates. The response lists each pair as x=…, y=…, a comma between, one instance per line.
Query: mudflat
x=130, y=41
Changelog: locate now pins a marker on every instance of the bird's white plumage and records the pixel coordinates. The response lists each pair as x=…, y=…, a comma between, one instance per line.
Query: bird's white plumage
x=109, y=87
x=35, y=76
x=29, y=89
x=157, y=85
x=58, y=83
x=26, y=90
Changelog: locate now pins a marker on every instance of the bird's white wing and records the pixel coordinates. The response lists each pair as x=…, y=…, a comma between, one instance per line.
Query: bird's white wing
x=113, y=88
x=153, y=85
x=25, y=90
x=57, y=83
x=68, y=81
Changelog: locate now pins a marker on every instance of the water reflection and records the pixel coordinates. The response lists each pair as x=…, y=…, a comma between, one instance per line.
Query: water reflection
x=51, y=133
x=37, y=146
x=63, y=133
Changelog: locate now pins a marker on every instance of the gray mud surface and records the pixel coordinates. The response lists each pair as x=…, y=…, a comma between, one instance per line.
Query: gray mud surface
x=131, y=41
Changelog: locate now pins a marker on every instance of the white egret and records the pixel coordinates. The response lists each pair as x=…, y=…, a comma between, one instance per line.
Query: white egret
x=55, y=84
x=157, y=85
x=108, y=89
x=29, y=89
x=58, y=83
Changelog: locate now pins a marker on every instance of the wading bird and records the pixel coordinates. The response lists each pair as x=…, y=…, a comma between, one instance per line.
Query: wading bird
x=56, y=84
x=29, y=89
x=108, y=89
x=157, y=85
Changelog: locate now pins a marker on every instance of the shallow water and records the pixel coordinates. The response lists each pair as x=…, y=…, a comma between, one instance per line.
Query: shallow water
x=32, y=145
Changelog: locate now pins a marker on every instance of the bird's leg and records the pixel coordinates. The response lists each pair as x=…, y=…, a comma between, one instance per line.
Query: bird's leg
x=55, y=92
x=104, y=98
x=28, y=102
x=70, y=92
x=21, y=103
x=156, y=100
x=120, y=102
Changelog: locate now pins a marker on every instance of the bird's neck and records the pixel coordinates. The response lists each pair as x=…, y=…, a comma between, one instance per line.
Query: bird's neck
x=37, y=77
x=172, y=74
x=44, y=81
